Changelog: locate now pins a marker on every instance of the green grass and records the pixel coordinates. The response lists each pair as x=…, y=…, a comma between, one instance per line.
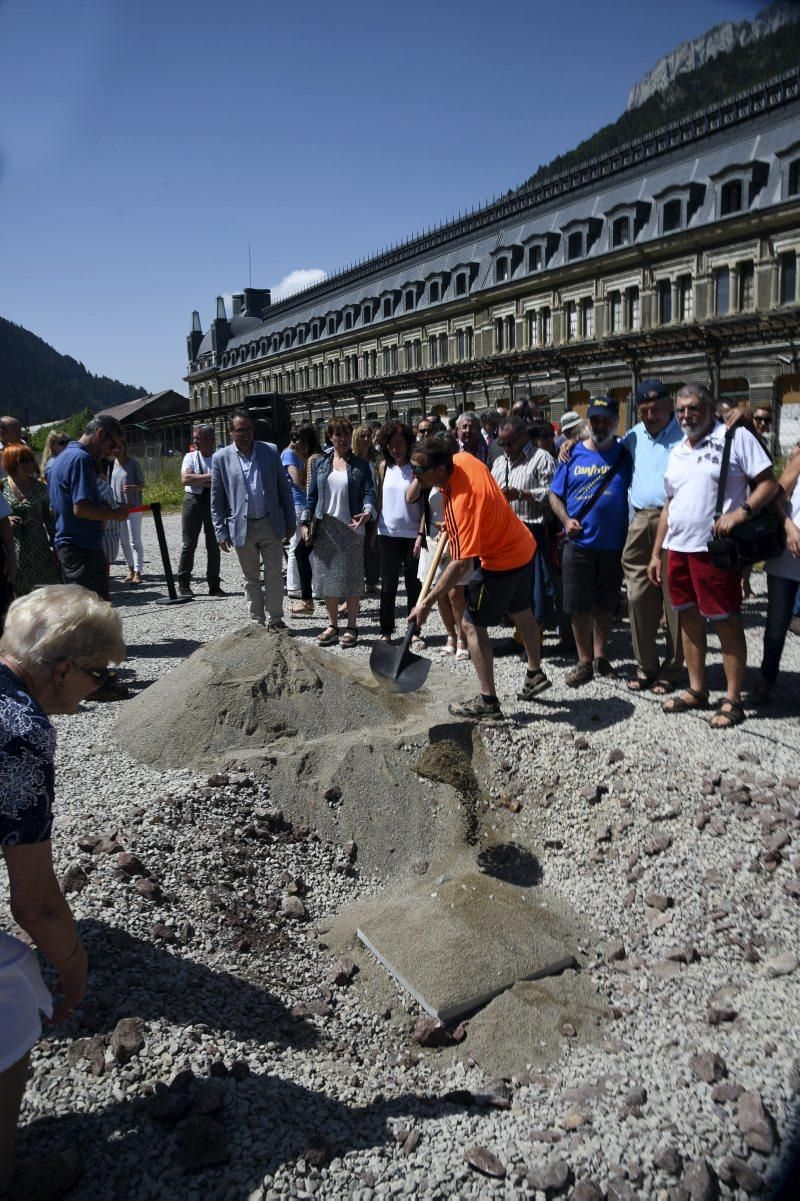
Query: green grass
x=163, y=484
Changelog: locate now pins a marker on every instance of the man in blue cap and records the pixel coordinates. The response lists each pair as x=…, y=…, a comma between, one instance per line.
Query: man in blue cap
x=649, y=444
x=589, y=496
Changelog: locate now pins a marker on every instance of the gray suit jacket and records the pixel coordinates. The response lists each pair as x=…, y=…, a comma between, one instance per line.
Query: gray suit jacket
x=229, y=495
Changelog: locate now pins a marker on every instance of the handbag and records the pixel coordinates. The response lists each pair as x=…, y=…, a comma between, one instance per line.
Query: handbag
x=559, y=542
x=760, y=537
x=312, y=530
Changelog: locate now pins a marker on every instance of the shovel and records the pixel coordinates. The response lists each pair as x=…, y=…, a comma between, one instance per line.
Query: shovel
x=397, y=667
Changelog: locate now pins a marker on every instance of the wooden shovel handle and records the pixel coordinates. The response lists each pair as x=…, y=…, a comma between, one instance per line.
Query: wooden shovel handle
x=435, y=561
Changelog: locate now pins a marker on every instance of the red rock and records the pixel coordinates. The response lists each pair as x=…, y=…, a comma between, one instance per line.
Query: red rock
x=428, y=1032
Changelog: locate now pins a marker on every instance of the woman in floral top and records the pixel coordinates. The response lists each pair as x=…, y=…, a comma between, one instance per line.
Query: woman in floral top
x=31, y=519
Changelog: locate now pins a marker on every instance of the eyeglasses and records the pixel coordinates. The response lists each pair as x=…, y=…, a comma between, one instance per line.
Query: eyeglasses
x=689, y=409
x=418, y=470
x=762, y=420
x=100, y=675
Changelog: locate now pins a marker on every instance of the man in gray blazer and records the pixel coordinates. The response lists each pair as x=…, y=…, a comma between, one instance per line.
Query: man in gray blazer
x=253, y=511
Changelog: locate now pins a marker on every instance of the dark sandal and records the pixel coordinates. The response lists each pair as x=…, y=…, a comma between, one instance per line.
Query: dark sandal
x=678, y=704
x=663, y=687
x=349, y=637
x=329, y=636
x=731, y=716
x=641, y=683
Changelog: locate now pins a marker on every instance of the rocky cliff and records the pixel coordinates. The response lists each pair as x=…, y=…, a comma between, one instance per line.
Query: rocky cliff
x=717, y=40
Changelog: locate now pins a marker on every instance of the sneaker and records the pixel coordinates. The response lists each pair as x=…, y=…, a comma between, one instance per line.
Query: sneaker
x=582, y=673
x=477, y=710
x=184, y=590
x=533, y=686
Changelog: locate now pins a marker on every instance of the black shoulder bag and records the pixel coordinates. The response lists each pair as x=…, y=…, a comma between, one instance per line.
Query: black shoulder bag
x=560, y=539
x=761, y=537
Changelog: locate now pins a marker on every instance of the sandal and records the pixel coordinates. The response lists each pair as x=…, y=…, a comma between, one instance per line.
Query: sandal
x=679, y=704
x=418, y=642
x=349, y=637
x=301, y=609
x=462, y=654
x=727, y=718
x=449, y=647
x=663, y=687
x=45, y=1178
x=534, y=684
x=329, y=636
x=641, y=683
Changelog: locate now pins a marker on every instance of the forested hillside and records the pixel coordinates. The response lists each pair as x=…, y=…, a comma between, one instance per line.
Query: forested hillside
x=39, y=384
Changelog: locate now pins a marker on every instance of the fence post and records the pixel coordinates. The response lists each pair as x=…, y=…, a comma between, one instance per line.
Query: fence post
x=172, y=598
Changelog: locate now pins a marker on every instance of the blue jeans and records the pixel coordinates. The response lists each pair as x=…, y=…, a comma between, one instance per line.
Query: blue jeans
x=782, y=595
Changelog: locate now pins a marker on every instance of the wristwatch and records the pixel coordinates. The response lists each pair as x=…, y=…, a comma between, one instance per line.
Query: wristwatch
x=744, y=505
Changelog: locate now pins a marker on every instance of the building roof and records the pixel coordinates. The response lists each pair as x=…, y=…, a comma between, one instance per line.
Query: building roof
x=159, y=404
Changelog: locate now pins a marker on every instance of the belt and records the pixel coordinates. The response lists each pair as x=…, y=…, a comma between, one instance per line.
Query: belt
x=258, y=518
x=649, y=509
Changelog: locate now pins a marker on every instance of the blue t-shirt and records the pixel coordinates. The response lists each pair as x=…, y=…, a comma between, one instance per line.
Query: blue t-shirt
x=72, y=478
x=605, y=526
x=27, y=746
x=290, y=458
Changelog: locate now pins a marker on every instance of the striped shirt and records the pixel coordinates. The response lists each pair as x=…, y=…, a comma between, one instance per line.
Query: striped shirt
x=531, y=473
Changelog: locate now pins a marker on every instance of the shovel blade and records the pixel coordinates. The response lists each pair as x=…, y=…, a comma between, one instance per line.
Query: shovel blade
x=397, y=668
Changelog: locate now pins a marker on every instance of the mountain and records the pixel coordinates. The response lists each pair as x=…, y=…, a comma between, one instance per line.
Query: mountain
x=722, y=38
x=39, y=384
x=729, y=72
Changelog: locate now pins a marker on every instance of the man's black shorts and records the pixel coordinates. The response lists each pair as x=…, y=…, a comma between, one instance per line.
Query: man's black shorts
x=492, y=594
x=591, y=579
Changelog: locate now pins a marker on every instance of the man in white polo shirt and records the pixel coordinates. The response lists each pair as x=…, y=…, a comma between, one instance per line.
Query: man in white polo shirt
x=698, y=589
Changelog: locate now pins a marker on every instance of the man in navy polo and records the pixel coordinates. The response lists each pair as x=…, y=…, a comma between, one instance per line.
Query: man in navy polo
x=592, y=561
x=649, y=444
x=75, y=499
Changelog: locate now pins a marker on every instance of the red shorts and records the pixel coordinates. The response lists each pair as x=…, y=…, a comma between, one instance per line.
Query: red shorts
x=692, y=579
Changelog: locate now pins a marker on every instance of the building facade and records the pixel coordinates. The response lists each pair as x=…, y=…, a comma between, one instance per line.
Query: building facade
x=675, y=256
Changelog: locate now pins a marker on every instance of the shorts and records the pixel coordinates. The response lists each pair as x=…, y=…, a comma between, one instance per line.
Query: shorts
x=492, y=594
x=591, y=579
x=693, y=580
x=23, y=996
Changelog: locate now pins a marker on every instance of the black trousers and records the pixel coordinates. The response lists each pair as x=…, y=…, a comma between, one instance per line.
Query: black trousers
x=89, y=568
x=301, y=554
x=196, y=517
x=394, y=554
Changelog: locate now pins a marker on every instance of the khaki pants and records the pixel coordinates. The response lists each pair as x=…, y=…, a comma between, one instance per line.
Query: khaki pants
x=646, y=604
x=262, y=545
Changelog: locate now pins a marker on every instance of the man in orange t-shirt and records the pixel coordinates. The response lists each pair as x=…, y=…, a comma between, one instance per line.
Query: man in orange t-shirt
x=480, y=525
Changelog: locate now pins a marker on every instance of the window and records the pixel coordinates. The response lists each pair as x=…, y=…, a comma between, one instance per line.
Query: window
x=672, y=217
x=433, y=352
x=460, y=345
x=746, y=286
x=443, y=355
x=575, y=246
x=393, y=358
x=501, y=269
x=533, y=330
x=794, y=178
x=535, y=258
x=722, y=292
x=588, y=318
x=511, y=333
x=664, y=301
x=306, y=378
x=348, y=320
x=408, y=299
x=366, y=314
x=621, y=231
x=433, y=292
x=407, y=355
x=547, y=326
x=331, y=325
x=730, y=198
x=634, y=309
x=301, y=337
x=498, y=334
x=417, y=353
x=788, y=269
x=275, y=342
x=615, y=312
x=315, y=330
x=571, y=313
x=686, y=294
x=387, y=362
x=461, y=284
x=387, y=306
x=469, y=343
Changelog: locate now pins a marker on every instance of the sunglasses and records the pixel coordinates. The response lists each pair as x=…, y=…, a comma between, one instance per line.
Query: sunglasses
x=100, y=675
x=689, y=409
x=762, y=420
x=418, y=470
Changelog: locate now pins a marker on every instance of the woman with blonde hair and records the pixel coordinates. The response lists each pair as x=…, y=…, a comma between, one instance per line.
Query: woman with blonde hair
x=57, y=441
x=54, y=654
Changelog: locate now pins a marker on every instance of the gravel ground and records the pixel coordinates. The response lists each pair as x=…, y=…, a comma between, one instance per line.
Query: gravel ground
x=220, y=1057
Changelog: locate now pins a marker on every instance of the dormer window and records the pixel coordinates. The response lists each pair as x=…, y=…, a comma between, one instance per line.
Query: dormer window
x=331, y=325
x=408, y=299
x=672, y=216
x=677, y=206
x=275, y=342
x=737, y=185
x=461, y=283
x=575, y=246
x=501, y=269
x=433, y=291
x=580, y=237
x=315, y=330
x=534, y=258
x=366, y=314
x=730, y=198
x=387, y=306
x=301, y=336
x=621, y=232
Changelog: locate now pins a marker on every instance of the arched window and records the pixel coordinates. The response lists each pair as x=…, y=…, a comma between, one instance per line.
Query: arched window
x=387, y=306
x=501, y=269
x=408, y=299
x=730, y=198
x=461, y=284
x=433, y=291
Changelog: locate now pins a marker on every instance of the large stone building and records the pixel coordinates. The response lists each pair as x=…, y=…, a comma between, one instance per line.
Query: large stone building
x=675, y=256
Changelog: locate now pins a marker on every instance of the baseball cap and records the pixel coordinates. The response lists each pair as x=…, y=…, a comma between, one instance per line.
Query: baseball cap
x=569, y=420
x=603, y=406
x=651, y=388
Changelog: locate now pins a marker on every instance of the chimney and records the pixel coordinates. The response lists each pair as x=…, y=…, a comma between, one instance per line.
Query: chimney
x=220, y=330
x=257, y=301
x=238, y=303
x=195, y=337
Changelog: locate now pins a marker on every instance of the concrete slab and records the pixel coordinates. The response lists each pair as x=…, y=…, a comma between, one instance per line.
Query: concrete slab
x=456, y=945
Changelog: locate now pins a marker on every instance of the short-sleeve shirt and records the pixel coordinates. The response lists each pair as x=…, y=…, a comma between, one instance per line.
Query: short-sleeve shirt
x=290, y=458
x=131, y=473
x=479, y=520
x=197, y=464
x=605, y=526
x=27, y=747
x=691, y=484
x=73, y=478
x=650, y=457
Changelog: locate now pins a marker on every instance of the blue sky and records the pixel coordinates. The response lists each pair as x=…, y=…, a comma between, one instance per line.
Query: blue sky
x=144, y=145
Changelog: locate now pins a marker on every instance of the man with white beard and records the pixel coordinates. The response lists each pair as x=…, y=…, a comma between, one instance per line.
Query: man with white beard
x=698, y=589
x=589, y=496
